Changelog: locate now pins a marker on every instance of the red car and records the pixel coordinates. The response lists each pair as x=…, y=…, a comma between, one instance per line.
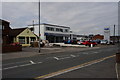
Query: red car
x=88, y=43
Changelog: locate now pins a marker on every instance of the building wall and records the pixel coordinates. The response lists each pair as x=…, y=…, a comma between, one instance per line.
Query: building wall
x=44, y=31
x=101, y=37
x=27, y=34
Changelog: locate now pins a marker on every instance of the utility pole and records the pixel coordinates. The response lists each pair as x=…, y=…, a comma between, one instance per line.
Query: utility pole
x=114, y=35
x=39, y=26
x=33, y=26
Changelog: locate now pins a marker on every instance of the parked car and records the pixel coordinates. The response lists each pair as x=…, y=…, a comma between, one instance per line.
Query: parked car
x=80, y=42
x=103, y=42
x=97, y=41
x=70, y=41
x=88, y=43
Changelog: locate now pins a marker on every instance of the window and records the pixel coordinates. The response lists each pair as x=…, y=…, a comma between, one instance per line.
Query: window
x=66, y=30
x=33, y=38
x=22, y=40
x=49, y=29
x=59, y=30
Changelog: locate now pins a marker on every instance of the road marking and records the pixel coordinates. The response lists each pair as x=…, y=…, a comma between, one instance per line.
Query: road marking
x=20, y=65
x=56, y=58
x=24, y=65
x=32, y=62
x=13, y=63
x=73, y=68
x=72, y=55
x=116, y=71
x=65, y=58
x=10, y=67
x=95, y=52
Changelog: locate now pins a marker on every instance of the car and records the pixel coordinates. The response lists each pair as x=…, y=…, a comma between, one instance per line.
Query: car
x=103, y=42
x=80, y=42
x=97, y=41
x=88, y=43
x=70, y=41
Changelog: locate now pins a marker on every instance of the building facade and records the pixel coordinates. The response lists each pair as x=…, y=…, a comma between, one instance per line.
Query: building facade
x=52, y=33
x=23, y=35
x=5, y=28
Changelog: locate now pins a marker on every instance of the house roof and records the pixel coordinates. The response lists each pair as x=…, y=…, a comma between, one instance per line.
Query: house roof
x=15, y=32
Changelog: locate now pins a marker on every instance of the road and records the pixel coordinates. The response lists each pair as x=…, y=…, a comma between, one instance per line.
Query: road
x=86, y=63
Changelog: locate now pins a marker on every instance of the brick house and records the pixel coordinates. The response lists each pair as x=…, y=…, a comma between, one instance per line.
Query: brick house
x=98, y=37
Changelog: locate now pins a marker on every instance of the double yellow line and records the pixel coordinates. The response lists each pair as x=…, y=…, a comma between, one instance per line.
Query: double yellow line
x=73, y=68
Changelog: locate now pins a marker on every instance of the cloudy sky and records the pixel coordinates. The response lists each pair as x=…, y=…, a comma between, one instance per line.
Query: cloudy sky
x=81, y=17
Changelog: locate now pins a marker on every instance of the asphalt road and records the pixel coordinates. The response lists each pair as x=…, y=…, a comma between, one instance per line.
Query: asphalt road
x=54, y=65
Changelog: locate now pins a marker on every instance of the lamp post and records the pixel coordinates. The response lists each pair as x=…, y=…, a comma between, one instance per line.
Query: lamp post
x=39, y=25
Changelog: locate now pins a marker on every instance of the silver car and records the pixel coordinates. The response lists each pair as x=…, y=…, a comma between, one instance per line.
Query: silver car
x=104, y=42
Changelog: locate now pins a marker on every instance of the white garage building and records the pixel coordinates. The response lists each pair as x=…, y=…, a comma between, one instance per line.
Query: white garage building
x=52, y=33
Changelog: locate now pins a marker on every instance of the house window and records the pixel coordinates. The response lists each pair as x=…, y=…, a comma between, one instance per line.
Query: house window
x=49, y=29
x=33, y=38
x=22, y=40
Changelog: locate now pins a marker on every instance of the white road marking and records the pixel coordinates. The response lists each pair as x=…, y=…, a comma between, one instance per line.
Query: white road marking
x=13, y=63
x=32, y=62
x=56, y=58
x=24, y=65
x=95, y=52
x=10, y=67
x=65, y=58
x=116, y=71
x=72, y=55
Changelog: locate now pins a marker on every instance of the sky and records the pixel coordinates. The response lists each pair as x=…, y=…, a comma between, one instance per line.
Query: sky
x=82, y=17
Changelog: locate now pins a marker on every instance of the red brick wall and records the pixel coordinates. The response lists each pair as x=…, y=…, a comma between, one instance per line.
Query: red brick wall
x=98, y=37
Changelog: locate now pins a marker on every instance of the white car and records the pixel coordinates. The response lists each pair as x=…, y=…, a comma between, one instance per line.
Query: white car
x=104, y=42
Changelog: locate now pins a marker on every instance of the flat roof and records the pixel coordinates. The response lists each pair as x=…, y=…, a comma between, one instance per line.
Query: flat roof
x=50, y=25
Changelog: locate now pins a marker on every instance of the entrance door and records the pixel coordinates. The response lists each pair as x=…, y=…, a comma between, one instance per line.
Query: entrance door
x=27, y=40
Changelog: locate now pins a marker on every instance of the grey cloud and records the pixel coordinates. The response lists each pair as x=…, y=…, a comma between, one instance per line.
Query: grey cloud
x=82, y=16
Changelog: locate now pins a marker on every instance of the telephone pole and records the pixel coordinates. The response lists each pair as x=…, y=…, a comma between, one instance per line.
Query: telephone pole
x=39, y=26
x=114, y=35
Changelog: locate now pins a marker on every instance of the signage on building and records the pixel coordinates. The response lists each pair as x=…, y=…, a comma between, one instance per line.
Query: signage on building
x=107, y=34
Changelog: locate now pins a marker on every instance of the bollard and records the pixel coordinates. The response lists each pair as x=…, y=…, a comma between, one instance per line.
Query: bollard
x=118, y=57
x=91, y=45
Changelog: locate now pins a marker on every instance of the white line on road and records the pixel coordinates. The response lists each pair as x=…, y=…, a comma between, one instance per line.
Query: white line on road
x=65, y=58
x=72, y=55
x=116, y=71
x=24, y=65
x=13, y=63
x=56, y=58
x=32, y=62
x=10, y=67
